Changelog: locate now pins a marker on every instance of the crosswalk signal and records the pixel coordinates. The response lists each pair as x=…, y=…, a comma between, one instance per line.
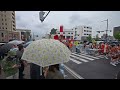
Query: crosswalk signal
x=41, y=15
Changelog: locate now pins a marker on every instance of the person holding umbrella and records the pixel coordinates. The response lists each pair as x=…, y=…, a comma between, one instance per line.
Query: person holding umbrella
x=22, y=63
x=53, y=72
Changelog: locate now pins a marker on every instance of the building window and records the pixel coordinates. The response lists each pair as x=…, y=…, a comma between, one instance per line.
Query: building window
x=2, y=27
x=2, y=35
x=2, y=23
x=63, y=32
x=1, y=15
x=2, y=19
x=84, y=34
x=6, y=28
x=84, y=30
x=5, y=15
x=5, y=23
x=58, y=33
x=87, y=34
x=13, y=28
x=14, y=25
x=71, y=33
x=13, y=18
x=13, y=14
x=68, y=33
x=13, y=21
x=5, y=20
x=2, y=39
x=75, y=28
x=78, y=35
x=84, y=27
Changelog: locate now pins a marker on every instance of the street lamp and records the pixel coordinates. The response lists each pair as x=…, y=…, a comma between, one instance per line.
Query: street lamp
x=106, y=29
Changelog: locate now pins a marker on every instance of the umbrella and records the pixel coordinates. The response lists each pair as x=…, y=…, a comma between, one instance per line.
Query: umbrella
x=26, y=44
x=46, y=52
x=16, y=42
x=5, y=48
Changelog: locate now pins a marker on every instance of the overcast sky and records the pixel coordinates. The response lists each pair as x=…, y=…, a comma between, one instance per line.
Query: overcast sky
x=30, y=20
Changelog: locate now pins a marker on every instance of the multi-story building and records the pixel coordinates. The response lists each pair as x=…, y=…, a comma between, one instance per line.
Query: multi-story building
x=7, y=20
x=25, y=34
x=67, y=33
x=76, y=33
x=81, y=32
x=8, y=26
x=116, y=30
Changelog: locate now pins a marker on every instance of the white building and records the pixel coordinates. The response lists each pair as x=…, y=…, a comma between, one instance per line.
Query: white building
x=67, y=33
x=81, y=32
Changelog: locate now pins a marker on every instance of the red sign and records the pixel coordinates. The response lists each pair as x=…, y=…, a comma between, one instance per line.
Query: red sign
x=61, y=28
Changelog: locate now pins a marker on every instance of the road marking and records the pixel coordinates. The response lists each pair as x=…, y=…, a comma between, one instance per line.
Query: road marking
x=101, y=56
x=90, y=56
x=78, y=62
x=73, y=73
x=78, y=58
x=83, y=57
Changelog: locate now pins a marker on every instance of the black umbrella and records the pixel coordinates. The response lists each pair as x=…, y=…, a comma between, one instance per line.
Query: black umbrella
x=5, y=48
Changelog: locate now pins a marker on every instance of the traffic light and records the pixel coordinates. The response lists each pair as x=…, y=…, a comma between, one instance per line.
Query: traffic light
x=41, y=15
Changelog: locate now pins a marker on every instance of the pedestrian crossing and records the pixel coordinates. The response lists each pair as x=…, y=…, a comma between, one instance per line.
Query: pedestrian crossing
x=83, y=58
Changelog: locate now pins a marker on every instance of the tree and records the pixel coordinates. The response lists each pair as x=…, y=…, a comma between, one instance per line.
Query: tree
x=89, y=38
x=117, y=35
x=97, y=37
x=53, y=31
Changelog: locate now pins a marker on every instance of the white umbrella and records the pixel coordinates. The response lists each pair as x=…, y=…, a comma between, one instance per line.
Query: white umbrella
x=16, y=42
x=46, y=52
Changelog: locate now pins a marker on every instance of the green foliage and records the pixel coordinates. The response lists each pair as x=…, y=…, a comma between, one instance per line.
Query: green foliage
x=89, y=38
x=53, y=31
x=117, y=35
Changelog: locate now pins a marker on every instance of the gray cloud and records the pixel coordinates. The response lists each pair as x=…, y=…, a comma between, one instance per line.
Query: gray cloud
x=77, y=19
x=68, y=19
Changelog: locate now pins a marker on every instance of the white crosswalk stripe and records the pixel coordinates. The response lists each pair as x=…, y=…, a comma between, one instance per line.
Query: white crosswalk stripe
x=90, y=56
x=78, y=58
x=83, y=58
x=78, y=62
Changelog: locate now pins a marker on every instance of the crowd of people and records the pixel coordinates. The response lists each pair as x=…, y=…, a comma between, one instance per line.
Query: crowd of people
x=112, y=51
x=55, y=71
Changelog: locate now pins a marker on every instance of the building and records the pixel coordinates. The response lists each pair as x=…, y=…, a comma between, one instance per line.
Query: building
x=115, y=30
x=7, y=20
x=25, y=34
x=81, y=32
x=8, y=26
x=67, y=33
x=108, y=37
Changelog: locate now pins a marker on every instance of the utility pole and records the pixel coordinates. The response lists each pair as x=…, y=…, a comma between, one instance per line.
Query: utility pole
x=106, y=29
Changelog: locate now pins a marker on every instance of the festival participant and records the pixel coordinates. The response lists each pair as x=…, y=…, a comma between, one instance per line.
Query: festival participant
x=113, y=56
x=106, y=50
x=102, y=48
